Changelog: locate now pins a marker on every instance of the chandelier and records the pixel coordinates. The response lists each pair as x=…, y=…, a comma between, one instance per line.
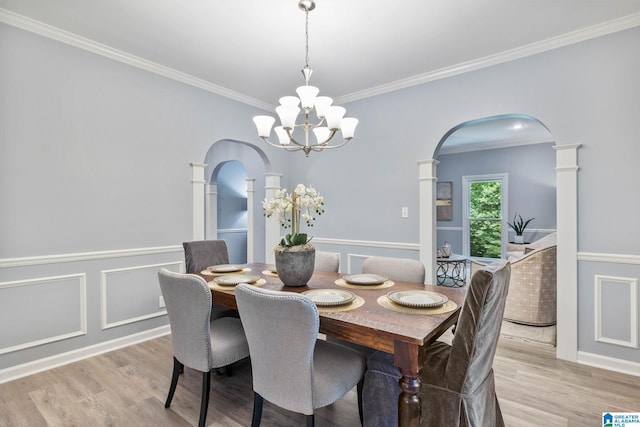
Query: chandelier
x=331, y=116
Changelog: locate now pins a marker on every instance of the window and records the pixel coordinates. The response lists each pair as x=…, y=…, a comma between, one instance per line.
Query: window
x=484, y=209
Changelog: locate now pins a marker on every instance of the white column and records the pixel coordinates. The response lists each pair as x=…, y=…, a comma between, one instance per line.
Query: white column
x=197, y=185
x=250, y=218
x=567, y=254
x=272, y=234
x=211, y=211
x=427, y=223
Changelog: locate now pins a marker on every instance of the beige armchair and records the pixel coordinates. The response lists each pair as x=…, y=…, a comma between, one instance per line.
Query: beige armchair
x=532, y=292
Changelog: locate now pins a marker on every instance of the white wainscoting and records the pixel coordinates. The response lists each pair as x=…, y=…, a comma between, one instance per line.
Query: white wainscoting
x=630, y=295
x=602, y=284
x=86, y=256
x=375, y=246
x=72, y=291
x=29, y=316
x=104, y=297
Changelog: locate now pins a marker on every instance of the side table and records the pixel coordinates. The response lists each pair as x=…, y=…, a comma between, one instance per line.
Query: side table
x=452, y=271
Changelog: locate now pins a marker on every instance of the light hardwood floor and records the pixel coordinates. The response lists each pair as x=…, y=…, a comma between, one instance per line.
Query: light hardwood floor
x=128, y=387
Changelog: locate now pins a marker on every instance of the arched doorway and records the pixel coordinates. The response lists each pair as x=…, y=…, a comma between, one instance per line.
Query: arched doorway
x=247, y=166
x=231, y=180
x=566, y=208
x=502, y=150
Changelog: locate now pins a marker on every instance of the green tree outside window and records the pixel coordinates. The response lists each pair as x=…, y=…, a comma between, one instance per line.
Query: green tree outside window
x=485, y=219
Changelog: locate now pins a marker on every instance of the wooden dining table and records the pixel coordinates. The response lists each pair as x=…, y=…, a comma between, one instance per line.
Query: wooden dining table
x=405, y=335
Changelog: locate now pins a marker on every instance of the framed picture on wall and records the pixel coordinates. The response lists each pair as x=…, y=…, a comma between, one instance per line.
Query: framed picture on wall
x=444, y=196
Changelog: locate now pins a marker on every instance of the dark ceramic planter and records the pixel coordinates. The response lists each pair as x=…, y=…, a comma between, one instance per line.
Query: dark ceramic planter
x=295, y=268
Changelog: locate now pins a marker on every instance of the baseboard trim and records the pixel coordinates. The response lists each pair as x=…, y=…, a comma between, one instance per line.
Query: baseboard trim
x=609, y=363
x=40, y=365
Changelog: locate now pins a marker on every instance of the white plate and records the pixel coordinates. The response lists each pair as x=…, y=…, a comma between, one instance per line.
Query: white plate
x=418, y=299
x=225, y=268
x=330, y=297
x=234, y=279
x=365, y=279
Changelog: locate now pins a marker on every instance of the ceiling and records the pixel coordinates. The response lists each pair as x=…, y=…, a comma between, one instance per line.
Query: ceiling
x=253, y=50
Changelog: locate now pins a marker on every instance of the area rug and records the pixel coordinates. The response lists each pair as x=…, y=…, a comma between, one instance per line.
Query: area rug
x=538, y=334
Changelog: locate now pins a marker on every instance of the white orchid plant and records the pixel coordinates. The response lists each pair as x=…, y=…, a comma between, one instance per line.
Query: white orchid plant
x=303, y=203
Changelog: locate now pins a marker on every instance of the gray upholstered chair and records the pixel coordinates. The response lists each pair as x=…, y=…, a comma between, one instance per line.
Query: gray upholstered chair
x=199, y=255
x=401, y=269
x=457, y=380
x=327, y=261
x=291, y=368
x=198, y=342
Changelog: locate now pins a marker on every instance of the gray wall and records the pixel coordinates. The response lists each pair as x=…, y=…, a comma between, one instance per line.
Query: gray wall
x=94, y=160
x=531, y=186
x=95, y=192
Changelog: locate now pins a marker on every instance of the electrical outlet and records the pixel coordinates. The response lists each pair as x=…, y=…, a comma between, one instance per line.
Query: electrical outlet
x=161, y=302
x=405, y=212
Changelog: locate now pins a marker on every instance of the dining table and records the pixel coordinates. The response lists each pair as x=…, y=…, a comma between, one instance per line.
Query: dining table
x=371, y=321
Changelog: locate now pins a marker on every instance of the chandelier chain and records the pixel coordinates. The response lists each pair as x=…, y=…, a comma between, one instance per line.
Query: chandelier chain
x=306, y=36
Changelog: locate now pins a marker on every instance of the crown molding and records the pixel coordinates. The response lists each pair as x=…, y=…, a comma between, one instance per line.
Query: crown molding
x=63, y=36
x=75, y=40
x=577, y=36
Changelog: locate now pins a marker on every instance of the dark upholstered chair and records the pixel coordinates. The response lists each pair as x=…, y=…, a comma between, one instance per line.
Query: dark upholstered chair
x=201, y=254
x=198, y=342
x=401, y=269
x=327, y=261
x=291, y=368
x=457, y=380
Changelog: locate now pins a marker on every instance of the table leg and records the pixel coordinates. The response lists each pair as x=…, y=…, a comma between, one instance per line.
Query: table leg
x=409, y=407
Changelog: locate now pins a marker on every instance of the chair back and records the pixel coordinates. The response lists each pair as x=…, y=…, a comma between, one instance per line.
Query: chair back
x=200, y=254
x=400, y=269
x=281, y=329
x=188, y=301
x=327, y=261
x=476, y=337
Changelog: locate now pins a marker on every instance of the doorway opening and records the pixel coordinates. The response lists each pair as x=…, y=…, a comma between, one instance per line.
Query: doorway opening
x=232, y=209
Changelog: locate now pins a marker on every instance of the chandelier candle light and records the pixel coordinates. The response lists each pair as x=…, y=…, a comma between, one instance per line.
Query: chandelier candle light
x=332, y=116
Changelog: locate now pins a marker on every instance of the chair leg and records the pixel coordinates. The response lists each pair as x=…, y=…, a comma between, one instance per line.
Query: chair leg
x=204, y=404
x=257, y=409
x=311, y=420
x=178, y=368
x=359, y=390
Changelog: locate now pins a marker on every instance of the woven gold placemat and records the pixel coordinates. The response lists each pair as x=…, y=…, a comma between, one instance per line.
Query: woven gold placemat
x=269, y=273
x=387, y=303
x=358, y=302
x=214, y=285
x=344, y=284
x=211, y=273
